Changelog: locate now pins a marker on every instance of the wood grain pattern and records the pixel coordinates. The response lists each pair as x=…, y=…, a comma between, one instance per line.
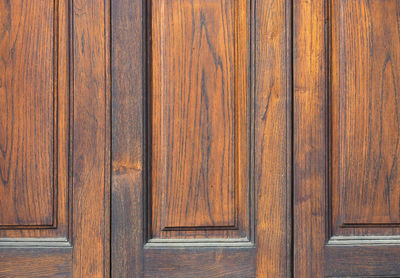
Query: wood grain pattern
x=55, y=82
x=345, y=134
x=272, y=137
x=35, y=263
x=363, y=261
x=128, y=197
x=365, y=112
x=150, y=89
x=310, y=151
x=198, y=116
x=209, y=263
x=35, y=120
x=27, y=117
x=90, y=144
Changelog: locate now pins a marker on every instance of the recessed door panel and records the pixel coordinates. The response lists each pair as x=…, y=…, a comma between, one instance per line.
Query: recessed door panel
x=199, y=125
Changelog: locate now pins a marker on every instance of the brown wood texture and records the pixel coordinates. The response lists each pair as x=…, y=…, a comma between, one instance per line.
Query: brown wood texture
x=346, y=65
x=199, y=128
x=272, y=137
x=128, y=142
x=193, y=84
x=27, y=116
x=158, y=264
x=38, y=262
x=365, y=112
x=91, y=86
x=35, y=120
x=54, y=136
x=309, y=137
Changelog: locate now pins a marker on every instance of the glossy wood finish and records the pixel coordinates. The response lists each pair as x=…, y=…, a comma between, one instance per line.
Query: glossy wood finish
x=365, y=116
x=200, y=131
x=27, y=164
x=272, y=137
x=193, y=109
x=309, y=138
x=44, y=262
x=91, y=87
x=345, y=138
x=35, y=122
x=199, y=128
x=54, y=136
x=200, y=263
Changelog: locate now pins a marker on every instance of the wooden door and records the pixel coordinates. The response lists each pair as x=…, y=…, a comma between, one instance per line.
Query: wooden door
x=200, y=138
x=346, y=138
x=53, y=138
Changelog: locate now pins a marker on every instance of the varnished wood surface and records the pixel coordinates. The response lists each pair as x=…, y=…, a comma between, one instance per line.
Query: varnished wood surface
x=365, y=112
x=90, y=144
x=362, y=261
x=54, y=86
x=345, y=138
x=27, y=117
x=128, y=141
x=45, y=49
x=35, y=263
x=272, y=137
x=198, y=104
x=309, y=138
x=208, y=263
x=152, y=100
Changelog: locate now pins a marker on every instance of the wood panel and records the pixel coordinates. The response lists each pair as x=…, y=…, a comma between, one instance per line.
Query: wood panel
x=160, y=51
x=365, y=113
x=54, y=136
x=28, y=98
x=158, y=264
x=198, y=116
x=345, y=138
x=34, y=121
x=38, y=262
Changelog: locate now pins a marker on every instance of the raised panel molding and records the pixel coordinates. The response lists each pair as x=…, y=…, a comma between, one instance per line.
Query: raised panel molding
x=35, y=124
x=364, y=66
x=199, y=129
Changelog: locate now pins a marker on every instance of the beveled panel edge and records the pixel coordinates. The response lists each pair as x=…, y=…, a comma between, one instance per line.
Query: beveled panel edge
x=199, y=243
x=364, y=240
x=34, y=242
